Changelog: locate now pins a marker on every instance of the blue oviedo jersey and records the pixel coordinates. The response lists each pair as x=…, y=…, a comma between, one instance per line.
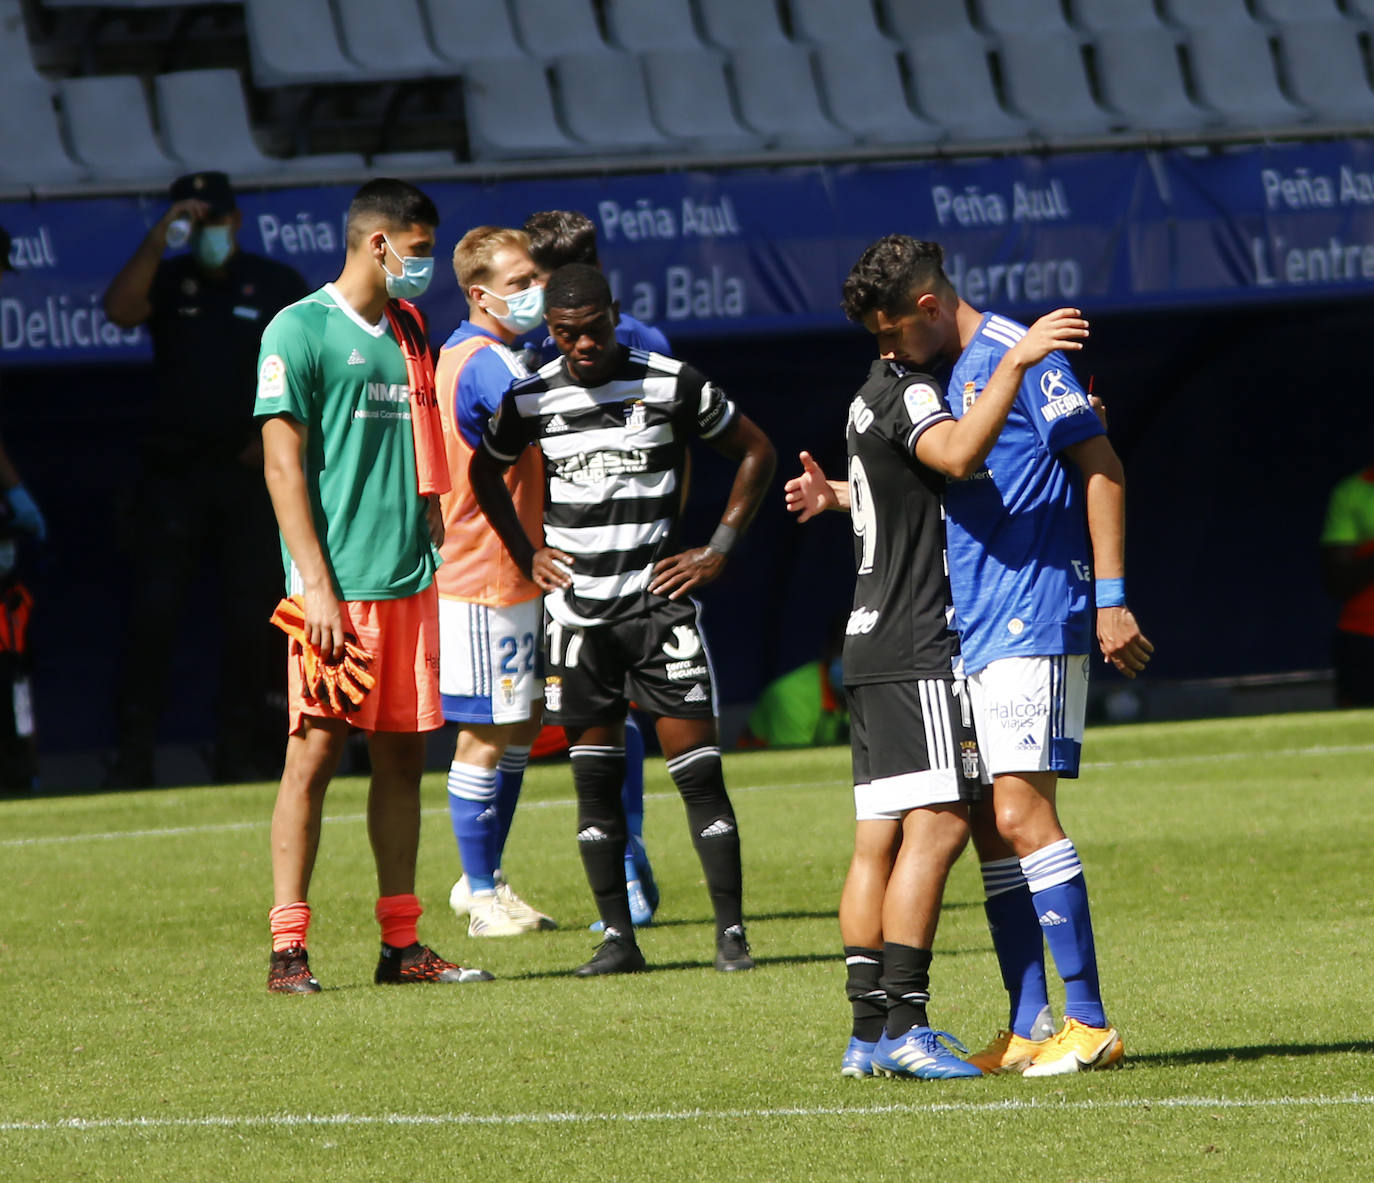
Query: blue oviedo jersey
x=1020, y=560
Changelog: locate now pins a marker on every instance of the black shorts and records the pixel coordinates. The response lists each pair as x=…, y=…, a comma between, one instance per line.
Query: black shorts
x=913, y=744
x=658, y=659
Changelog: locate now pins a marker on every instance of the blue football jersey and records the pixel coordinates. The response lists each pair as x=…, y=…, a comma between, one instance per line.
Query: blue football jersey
x=1020, y=560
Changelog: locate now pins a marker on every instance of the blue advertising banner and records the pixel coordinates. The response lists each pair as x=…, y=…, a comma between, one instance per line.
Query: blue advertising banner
x=765, y=251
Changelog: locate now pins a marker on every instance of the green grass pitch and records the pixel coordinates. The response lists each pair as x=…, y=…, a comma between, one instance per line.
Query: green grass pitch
x=1229, y=865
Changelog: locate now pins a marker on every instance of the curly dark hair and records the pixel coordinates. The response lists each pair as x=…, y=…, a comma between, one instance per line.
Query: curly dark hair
x=577, y=285
x=890, y=273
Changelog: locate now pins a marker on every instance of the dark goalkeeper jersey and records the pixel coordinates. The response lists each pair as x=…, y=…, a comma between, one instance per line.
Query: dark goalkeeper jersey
x=901, y=625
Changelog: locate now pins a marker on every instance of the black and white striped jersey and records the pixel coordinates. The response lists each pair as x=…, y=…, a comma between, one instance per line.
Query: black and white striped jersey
x=613, y=460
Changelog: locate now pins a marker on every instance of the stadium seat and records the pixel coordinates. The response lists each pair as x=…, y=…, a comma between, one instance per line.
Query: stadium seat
x=741, y=24
x=1209, y=14
x=1140, y=77
x=1000, y=17
x=778, y=99
x=473, y=30
x=388, y=40
x=1103, y=15
x=294, y=43
x=1361, y=10
x=914, y=20
x=31, y=151
x=640, y=27
x=951, y=80
x=550, y=28
x=398, y=164
x=865, y=94
x=110, y=130
x=1233, y=72
x=604, y=102
x=1047, y=82
x=205, y=122
x=691, y=100
x=835, y=22
x=324, y=164
x=1324, y=69
x=133, y=3
x=1300, y=12
x=16, y=57
x=510, y=112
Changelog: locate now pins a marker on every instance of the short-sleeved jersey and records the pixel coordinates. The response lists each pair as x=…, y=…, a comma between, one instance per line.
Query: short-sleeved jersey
x=206, y=329
x=1020, y=559
x=613, y=458
x=1350, y=522
x=345, y=380
x=475, y=369
x=900, y=627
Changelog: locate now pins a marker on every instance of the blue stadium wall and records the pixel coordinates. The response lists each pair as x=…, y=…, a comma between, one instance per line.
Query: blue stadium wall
x=1230, y=294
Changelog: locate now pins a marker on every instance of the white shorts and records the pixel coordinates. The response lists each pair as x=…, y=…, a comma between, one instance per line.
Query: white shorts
x=1029, y=713
x=491, y=667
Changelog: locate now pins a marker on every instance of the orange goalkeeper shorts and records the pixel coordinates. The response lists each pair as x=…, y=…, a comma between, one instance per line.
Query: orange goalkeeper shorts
x=403, y=638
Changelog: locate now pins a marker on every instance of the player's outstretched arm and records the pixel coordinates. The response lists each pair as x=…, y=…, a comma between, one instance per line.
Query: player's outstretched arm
x=746, y=443
x=1104, y=483
x=811, y=493
x=547, y=568
x=283, y=448
x=959, y=448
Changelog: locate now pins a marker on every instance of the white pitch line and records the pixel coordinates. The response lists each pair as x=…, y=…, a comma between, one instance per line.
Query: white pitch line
x=299, y=1120
x=567, y=802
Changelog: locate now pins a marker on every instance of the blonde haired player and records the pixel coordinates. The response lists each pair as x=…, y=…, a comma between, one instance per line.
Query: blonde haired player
x=490, y=615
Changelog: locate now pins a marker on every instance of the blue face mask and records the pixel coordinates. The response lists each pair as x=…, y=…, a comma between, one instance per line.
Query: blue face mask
x=213, y=245
x=416, y=272
x=524, y=309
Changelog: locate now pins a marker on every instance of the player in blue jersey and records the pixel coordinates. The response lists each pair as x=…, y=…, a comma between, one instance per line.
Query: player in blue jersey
x=1035, y=541
x=557, y=237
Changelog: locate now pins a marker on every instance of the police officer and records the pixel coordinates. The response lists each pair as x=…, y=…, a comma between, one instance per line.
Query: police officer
x=201, y=492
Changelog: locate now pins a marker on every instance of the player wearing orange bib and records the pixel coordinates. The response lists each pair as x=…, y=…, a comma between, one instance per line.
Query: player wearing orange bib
x=490, y=615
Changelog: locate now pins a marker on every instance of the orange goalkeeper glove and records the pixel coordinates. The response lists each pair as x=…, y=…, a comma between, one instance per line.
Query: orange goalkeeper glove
x=340, y=685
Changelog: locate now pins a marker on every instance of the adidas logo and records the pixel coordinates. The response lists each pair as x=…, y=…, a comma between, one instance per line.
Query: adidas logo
x=696, y=694
x=356, y=359
x=593, y=834
x=718, y=828
x=1029, y=743
x=555, y=425
x=1052, y=919
x=487, y=815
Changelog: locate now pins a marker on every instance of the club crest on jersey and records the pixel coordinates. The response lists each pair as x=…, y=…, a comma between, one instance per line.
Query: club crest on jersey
x=968, y=758
x=922, y=400
x=970, y=395
x=634, y=413
x=507, y=686
x=553, y=693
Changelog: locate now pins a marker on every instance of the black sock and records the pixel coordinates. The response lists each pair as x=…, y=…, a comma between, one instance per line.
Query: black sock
x=906, y=982
x=698, y=776
x=601, y=831
x=867, y=998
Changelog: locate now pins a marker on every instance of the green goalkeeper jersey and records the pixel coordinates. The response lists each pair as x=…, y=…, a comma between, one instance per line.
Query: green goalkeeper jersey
x=322, y=365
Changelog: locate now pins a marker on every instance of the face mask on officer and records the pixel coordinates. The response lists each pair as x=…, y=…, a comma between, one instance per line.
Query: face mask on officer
x=416, y=272
x=213, y=245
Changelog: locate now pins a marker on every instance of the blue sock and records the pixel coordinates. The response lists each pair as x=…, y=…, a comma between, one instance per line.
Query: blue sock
x=1017, y=940
x=632, y=790
x=471, y=807
x=510, y=776
x=1055, y=877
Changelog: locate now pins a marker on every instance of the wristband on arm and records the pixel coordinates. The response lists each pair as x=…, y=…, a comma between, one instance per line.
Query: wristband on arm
x=1111, y=593
x=723, y=539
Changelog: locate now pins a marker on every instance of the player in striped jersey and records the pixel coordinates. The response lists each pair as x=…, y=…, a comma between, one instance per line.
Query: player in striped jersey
x=614, y=424
x=490, y=615
x=1032, y=534
x=915, y=752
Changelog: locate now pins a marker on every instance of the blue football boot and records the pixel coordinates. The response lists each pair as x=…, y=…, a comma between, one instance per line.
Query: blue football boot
x=858, y=1058
x=922, y=1055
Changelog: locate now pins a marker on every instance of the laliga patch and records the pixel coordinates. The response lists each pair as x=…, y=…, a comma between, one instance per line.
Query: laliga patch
x=272, y=377
x=922, y=401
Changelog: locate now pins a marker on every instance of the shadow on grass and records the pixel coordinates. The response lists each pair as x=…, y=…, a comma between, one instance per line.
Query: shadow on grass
x=1223, y=1055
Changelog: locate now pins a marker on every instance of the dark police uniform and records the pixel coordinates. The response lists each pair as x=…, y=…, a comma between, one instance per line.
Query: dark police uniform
x=200, y=496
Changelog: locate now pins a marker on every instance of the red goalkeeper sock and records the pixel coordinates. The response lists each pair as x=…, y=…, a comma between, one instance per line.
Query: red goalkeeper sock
x=289, y=924
x=397, y=915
